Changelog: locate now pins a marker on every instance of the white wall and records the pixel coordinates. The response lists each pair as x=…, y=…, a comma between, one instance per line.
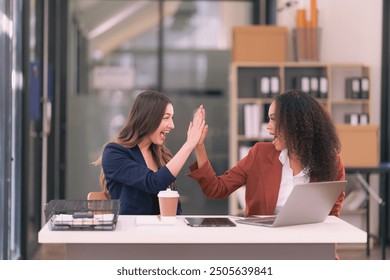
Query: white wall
x=351, y=32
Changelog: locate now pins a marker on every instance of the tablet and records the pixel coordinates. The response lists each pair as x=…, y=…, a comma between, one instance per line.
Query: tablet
x=209, y=222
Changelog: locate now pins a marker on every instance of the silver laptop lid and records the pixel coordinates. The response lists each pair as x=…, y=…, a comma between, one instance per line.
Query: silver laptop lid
x=309, y=203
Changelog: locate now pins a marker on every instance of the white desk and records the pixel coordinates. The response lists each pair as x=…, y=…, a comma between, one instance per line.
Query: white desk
x=179, y=241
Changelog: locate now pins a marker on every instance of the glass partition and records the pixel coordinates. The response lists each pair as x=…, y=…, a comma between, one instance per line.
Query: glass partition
x=179, y=47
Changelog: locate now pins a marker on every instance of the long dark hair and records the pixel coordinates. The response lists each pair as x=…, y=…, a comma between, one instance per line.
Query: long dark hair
x=144, y=118
x=309, y=132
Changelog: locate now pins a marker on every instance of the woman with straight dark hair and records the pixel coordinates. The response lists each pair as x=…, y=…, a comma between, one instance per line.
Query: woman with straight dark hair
x=136, y=165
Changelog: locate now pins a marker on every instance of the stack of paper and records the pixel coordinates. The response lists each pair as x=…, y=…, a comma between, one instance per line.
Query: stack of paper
x=65, y=219
x=155, y=221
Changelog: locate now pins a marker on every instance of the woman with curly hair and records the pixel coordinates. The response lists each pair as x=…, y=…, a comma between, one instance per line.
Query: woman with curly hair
x=305, y=148
x=136, y=165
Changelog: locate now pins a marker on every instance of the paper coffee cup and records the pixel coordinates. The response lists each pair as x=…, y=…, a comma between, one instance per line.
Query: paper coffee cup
x=168, y=201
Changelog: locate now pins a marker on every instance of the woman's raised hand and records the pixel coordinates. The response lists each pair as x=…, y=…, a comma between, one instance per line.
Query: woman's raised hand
x=205, y=128
x=196, y=127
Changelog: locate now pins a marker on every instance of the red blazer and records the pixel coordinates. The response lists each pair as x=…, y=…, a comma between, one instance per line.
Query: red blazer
x=261, y=172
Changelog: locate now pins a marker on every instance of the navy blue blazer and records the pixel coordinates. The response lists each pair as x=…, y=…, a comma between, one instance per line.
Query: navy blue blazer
x=132, y=182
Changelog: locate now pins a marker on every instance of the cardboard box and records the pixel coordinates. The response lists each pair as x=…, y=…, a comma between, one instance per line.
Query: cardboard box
x=259, y=43
x=359, y=145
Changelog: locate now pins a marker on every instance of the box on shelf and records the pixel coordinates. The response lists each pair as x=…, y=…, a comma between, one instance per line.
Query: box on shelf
x=359, y=145
x=259, y=43
x=306, y=43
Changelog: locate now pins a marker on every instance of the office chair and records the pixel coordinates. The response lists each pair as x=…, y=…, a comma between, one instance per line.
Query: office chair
x=96, y=206
x=98, y=196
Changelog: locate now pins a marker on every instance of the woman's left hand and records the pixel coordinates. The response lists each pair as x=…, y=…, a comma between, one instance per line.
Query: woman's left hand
x=196, y=127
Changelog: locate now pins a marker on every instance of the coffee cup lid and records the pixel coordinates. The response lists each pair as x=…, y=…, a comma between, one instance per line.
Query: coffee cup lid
x=168, y=193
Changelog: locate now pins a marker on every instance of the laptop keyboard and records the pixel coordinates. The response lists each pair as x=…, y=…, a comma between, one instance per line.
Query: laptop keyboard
x=261, y=220
x=267, y=222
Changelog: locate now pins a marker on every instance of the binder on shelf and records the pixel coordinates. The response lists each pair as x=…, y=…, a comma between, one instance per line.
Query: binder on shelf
x=251, y=120
x=323, y=87
x=363, y=119
x=357, y=119
x=314, y=87
x=364, y=87
x=352, y=88
x=305, y=84
x=347, y=118
x=256, y=120
x=275, y=86
x=263, y=88
x=248, y=120
x=241, y=120
x=352, y=119
x=302, y=83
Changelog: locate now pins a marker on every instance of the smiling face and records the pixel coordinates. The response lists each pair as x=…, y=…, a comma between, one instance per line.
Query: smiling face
x=159, y=135
x=278, y=136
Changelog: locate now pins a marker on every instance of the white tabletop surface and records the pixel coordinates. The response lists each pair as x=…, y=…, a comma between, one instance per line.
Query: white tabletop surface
x=128, y=231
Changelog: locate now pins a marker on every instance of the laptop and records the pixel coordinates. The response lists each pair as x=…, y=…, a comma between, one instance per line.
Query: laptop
x=307, y=203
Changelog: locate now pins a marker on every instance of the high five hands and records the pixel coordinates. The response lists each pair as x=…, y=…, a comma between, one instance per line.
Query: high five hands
x=205, y=128
x=195, y=132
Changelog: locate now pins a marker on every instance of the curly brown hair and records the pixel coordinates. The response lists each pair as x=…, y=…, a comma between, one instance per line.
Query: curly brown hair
x=309, y=132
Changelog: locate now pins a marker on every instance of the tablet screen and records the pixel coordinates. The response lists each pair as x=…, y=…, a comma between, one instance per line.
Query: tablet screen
x=209, y=222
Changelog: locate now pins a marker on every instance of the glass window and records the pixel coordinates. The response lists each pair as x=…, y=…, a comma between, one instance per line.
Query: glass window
x=188, y=59
x=10, y=123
